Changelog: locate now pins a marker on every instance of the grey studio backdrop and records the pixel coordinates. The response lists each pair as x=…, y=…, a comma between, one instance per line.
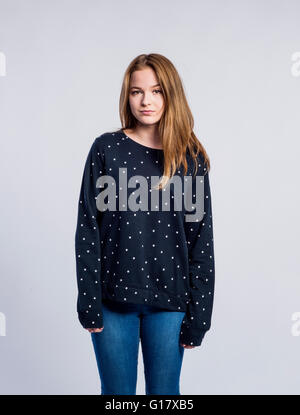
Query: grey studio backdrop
x=62, y=64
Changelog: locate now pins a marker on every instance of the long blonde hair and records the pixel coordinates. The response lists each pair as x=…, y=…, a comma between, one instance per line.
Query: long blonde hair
x=176, y=124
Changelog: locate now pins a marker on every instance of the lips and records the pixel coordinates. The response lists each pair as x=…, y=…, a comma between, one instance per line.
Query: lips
x=146, y=112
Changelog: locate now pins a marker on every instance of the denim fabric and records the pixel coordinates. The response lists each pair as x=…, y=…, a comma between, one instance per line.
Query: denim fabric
x=117, y=347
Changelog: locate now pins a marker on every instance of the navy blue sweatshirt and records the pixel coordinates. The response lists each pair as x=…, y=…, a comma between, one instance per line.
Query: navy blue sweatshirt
x=147, y=256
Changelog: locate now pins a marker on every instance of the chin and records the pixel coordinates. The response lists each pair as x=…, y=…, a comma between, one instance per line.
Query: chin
x=148, y=122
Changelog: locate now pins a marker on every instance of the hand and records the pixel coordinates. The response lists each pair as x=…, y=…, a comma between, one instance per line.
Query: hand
x=187, y=347
x=95, y=330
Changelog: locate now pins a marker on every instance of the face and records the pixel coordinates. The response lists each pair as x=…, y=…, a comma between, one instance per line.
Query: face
x=145, y=94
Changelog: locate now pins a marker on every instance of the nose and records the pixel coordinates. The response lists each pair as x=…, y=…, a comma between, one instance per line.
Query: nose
x=146, y=98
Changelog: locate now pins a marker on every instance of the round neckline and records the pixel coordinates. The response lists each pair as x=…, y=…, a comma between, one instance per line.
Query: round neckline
x=140, y=145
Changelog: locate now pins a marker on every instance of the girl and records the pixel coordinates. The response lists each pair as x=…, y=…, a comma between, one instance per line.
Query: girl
x=144, y=258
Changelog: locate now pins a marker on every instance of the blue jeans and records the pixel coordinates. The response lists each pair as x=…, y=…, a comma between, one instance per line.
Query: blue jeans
x=117, y=346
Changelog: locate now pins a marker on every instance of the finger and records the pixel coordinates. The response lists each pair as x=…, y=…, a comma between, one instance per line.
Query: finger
x=92, y=330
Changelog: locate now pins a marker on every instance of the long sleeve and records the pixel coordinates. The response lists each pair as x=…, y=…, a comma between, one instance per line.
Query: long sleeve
x=197, y=320
x=87, y=244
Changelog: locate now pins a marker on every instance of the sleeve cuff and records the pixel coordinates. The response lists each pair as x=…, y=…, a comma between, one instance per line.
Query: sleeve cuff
x=191, y=336
x=92, y=319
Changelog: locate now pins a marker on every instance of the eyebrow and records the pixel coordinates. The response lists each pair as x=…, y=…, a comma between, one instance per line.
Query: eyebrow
x=137, y=87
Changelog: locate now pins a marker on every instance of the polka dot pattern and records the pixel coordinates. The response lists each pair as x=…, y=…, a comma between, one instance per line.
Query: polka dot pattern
x=145, y=255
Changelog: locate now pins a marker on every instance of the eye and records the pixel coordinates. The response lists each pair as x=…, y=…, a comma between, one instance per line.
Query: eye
x=155, y=90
